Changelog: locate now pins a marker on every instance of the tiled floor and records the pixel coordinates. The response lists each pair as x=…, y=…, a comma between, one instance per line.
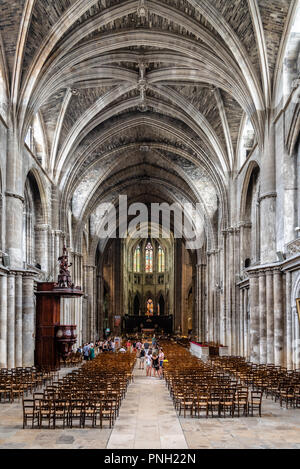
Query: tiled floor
x=148, y=421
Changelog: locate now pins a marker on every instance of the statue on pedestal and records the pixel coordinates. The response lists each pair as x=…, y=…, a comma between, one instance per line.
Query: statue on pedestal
x=64, y=277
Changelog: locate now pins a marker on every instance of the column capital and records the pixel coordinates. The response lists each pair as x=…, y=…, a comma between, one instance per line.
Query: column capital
x=15, y=196
x=261, y=273
x=231, y=230
x=267, y=195
x=78, y=254
x=254, y=275
x=245, y=224
x=41, y=227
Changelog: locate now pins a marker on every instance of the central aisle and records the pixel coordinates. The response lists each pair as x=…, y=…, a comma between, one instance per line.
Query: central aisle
x=147, y=418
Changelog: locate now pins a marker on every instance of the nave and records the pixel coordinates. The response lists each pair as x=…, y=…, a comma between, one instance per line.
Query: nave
x=149, y=420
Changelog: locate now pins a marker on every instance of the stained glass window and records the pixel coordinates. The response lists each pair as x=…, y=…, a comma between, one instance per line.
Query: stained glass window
x=137, y=260
x=149, y=258
x=161, y=259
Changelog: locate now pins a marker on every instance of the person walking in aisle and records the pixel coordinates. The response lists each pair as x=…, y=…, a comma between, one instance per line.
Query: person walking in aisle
x=161, y=358
x=155, y=365
x=142, y=358
x=149, y=363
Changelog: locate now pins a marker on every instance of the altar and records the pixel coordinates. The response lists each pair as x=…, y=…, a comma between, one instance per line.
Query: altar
x=153, y=324
x=148, y=331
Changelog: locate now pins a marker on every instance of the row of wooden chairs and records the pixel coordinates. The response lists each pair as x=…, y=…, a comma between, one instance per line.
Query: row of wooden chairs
x=19, y=382
x=220, y=405
x=199, y=388
x=277, y=382
x=68, y=412
x=90, y=394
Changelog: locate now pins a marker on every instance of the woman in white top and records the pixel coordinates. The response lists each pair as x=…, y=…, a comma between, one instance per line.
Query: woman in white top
x=149, y=363
x=161, y=358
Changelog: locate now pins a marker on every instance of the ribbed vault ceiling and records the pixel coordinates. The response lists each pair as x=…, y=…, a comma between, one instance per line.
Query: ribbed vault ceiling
x=128, y=96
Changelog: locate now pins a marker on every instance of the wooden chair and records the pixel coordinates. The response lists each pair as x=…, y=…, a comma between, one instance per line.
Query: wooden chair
x=241, y=402
x=5, y=391
x=17, y=390
x=214, y=403
x=76, y=411
x=187, y=404
x=200, y=404
x=90, y=413
x=60, y=412
x=30, y=412
x=106, y=413
x=255, y=402
x=227, y=403
x=287, y=395
x=46, y=412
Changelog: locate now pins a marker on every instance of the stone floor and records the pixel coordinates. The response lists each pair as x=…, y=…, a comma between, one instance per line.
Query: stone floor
x=148, y=421
x=147, y=418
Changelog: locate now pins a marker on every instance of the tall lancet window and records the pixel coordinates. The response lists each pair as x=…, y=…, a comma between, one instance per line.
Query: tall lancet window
x=161, y=259
x=149, y=258
x=137, y=260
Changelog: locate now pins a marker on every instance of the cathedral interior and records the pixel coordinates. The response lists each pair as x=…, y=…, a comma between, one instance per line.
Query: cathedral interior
x=164, y=102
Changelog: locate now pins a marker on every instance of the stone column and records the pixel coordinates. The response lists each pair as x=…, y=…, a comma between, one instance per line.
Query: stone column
x=268, y=197
x=246, y=323
x=278, y=319
x=242, y=323
x=57, y=251
x=270, y=315
x=235, y=292
x=41, y=246
x=230, y=297
x=198, y=303
x=254, y=319
x=268, y=233
x=11, y=320
x=52, y=256
x=28, y=319
x=14, y=199
x=297, y=343
x=195, y=322
x=100, y=304
x=210, y=287
x=178, y=283
x=263, y=317
x=90, y=271
x=223, y=305
x=289, y=322
x=3, y=321
x=1, y=221
x=18, y=320
x=14, y=229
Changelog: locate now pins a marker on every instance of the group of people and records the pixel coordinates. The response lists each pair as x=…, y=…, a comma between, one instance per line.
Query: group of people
x=149, y=353
x=90, y=350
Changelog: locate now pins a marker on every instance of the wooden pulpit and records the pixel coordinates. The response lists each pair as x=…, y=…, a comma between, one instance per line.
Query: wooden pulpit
x=47, y=321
